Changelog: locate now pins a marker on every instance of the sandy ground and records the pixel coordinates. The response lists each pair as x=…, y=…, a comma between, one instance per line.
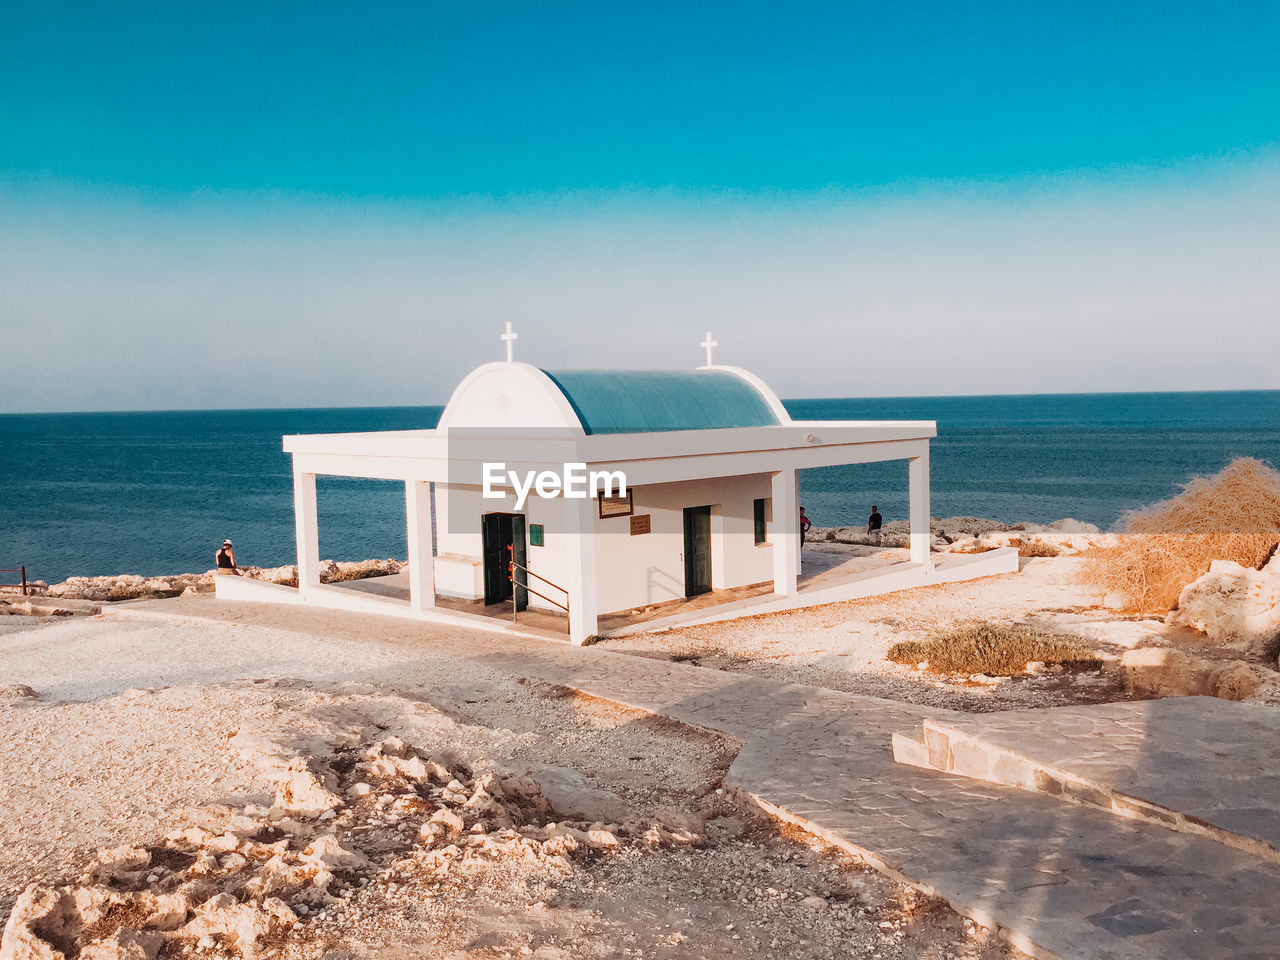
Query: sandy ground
x=843, y=645
x=139, y=728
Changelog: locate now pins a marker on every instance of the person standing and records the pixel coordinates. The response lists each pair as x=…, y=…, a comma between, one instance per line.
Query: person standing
x=226, y=561
x=874, y=523
x=805, y=524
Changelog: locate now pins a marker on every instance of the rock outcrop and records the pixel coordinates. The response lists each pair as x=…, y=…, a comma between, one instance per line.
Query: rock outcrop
x=1234, y=606
x=976, y=535
x=1165, y=672
x=131, y=586
x=246, y=888
x=1065, y=537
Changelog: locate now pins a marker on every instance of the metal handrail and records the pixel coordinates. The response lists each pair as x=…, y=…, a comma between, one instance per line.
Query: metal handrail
x=23, y=584
x=511, y=575
x=517, y=563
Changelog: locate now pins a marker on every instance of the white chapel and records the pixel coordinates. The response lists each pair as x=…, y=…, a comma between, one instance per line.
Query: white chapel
x=707, y=528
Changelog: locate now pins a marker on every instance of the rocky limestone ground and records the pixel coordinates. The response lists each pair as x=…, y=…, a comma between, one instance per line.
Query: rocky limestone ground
x=844, y=645
x=1222, y=638
x=169, y=791
x=233, y=790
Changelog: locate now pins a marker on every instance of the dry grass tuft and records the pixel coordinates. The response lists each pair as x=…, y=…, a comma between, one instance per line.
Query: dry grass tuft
x=997, y=649
x=1233, y=515
x=1038, y=548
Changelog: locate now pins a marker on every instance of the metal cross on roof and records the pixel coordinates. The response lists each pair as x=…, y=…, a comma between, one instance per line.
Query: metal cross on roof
x=709, y=343
x=509, y=337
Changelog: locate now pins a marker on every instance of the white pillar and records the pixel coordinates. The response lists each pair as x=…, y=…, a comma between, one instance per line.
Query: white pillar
x=580, y=518
x=422, y=568
x=306, y=524
x=918, y=482
x=785, y=532
x=799, y=538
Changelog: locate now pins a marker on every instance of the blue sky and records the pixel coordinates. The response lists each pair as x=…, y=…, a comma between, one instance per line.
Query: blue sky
x=214, y=205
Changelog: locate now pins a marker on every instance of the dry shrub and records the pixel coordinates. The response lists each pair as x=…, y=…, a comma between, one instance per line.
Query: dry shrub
x=998, y=649
x=1233, y=515
x=1038, y=548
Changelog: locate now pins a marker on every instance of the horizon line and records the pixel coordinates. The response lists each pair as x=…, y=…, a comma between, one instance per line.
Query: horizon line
x=441, y=406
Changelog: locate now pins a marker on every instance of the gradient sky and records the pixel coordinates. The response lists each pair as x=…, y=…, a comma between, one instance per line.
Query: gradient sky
x=313, y=204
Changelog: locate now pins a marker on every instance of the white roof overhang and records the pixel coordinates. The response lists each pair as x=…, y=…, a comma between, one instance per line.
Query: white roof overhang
x=458, y=456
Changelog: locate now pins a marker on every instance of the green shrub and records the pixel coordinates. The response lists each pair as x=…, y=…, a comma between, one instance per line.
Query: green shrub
x=998, y=649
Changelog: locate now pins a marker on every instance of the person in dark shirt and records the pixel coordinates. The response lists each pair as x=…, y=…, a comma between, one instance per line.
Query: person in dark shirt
x=874, y=523
x=805, y=524
x=226, y=561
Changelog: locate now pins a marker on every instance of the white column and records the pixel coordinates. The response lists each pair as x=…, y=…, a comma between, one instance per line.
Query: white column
x=799, y=539
x=306, y=524
x=422, y=568
x=785, y=532
x=918, y=482
x=580, y=517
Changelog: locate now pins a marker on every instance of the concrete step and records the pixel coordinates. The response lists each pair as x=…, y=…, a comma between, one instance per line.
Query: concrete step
x=1195, y=765
x=913, y=753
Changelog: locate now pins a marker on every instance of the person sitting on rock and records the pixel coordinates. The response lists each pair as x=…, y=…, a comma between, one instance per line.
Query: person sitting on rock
x=874, y=523
x=226, y=561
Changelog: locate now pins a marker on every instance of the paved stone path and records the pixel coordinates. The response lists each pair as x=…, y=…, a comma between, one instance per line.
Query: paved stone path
x=1198, y=764
x=1062, y=880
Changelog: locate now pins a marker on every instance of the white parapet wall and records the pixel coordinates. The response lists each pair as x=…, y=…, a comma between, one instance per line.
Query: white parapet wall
x=334, y=597
x=258, y=591
x=902, y=576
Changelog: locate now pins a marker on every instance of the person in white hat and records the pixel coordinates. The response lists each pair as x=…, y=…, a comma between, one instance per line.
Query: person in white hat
x=226, y=561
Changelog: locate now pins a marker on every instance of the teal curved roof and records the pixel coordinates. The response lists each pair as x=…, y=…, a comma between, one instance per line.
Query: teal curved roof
x=648, y=401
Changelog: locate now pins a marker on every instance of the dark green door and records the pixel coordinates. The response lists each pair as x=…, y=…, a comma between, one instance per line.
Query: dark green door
x=697, y=551
x=495, y=533
x=495, y=565
x=520, y=555
x=502, y=536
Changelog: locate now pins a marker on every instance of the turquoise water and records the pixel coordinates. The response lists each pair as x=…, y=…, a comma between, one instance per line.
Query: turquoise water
x=151, y=493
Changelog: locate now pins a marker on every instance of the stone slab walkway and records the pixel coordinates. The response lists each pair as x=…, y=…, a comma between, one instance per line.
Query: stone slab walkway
x=1197, y=764
x=1061, y=880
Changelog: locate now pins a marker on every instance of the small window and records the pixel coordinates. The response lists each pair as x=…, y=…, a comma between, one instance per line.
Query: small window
x=762, y=511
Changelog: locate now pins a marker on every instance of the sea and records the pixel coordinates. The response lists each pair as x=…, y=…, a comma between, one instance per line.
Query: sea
x=88, y=494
